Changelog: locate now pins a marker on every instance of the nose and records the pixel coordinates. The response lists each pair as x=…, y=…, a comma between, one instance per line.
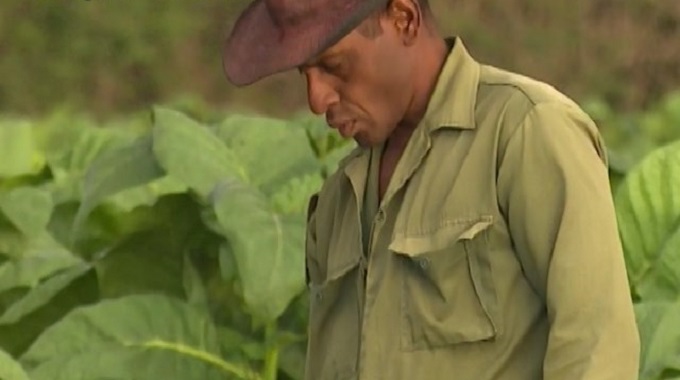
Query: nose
x=320, y=93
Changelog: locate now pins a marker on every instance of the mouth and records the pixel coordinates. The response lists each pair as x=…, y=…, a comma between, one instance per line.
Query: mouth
x=346, y=128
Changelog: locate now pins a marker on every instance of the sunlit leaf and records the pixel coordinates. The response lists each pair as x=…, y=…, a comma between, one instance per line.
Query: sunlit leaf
x=253, y=137
x=18, y=155
x=117, y=170
x=141, y=337
x=16, y=245
x=660, y=337
x=30, y=270
x=192, y=153
x=42, y=294
x=80, y=147
x=648, y=209
x=147, y=195
x=292, y=197
x=17, y=336
x=11, y=369
x=29, y=209
x=267, y=247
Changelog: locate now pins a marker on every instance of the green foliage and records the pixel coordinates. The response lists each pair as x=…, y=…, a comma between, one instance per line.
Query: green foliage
x=632, y=136
x=648, y=210
x=648, y=206
x=658, y=325
x=10, y=369
x=644, y=155
x=172, y=247
x=159, y=249
x=139, y=336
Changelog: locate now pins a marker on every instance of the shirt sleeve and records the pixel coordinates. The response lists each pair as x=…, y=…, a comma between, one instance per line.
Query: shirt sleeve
x=554, y=190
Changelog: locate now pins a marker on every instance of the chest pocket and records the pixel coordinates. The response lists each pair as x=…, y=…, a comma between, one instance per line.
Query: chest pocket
x=448, y=293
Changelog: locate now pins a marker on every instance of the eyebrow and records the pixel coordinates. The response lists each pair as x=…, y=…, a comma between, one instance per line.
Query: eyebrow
x=317, y=59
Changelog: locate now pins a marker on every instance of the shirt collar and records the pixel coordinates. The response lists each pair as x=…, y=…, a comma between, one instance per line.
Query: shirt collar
x=452, y=103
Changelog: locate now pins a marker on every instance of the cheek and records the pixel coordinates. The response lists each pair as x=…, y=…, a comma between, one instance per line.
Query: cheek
x=387, y=108
x=377, y=96
x=377, y=110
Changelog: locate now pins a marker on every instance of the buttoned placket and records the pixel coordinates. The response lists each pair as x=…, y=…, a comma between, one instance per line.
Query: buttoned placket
x=369, y=200
x=366, y=279
x=410, y=161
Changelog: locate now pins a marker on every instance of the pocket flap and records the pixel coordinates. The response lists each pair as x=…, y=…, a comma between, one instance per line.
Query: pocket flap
x=450, y=232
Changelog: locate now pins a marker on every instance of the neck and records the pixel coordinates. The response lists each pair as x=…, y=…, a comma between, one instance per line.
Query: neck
x=425, y=75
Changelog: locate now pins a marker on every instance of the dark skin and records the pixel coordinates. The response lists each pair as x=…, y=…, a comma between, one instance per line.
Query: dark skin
x=374, y=84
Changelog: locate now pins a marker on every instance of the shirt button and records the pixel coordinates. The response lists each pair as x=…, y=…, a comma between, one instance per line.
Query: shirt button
x=381, y=216
x=316, y=294
x=424, y=263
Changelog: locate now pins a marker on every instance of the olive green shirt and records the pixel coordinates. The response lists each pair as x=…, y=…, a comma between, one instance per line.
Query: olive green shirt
x=494, y=254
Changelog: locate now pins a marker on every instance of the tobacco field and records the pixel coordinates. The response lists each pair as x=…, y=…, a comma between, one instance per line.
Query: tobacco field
x=169, y=245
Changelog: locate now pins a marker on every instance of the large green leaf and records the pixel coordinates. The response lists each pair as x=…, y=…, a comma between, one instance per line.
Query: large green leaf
x=43, y=293
x=147, y=195
x=29, y=209
x=267, y=247
x=12, y=241
x=148, y=261
x=332, y=160
x=252, y=138
x=79, y=148
x=16, y=337
x=147, y=255
x=660, y=337
x=103, y=228
x=320, y=137
x=237, y=345
x=648, y=209
x=192, y=153
x=117, y=170
x=30, y=270
x=18, y=154
x=293, y=196
x=327, y=144
x=11, y=369
x=194, y=288
x=136, y=337
x=57, y=133
x=16, y=245
x=92, y=142
x=292, y=360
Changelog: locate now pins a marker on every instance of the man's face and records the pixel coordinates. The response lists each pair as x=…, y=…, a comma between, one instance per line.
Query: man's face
x=361, y=84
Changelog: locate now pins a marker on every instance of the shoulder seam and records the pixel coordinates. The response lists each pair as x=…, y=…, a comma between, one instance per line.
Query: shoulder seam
x=534, y=108
x=511, y=85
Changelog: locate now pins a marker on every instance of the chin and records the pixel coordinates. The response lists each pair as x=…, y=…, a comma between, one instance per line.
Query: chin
x=361, y=140
x=366, y=143
x=363, y=144
x=366, y=140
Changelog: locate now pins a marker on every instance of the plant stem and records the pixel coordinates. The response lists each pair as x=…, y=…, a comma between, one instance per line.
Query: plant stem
x=272, y=357
x=241, y=373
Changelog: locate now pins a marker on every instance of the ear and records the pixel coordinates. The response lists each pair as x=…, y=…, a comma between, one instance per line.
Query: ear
x=406, y=17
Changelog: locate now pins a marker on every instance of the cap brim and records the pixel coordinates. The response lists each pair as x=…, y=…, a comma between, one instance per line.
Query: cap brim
x=257, y=48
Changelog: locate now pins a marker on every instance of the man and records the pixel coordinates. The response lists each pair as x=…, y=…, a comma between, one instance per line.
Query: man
x=471, y=235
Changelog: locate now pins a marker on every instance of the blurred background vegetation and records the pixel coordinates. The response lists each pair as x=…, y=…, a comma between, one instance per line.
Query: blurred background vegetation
x=109, y=57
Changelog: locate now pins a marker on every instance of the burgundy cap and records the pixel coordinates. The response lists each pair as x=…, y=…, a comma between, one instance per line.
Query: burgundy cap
x=272, y=36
